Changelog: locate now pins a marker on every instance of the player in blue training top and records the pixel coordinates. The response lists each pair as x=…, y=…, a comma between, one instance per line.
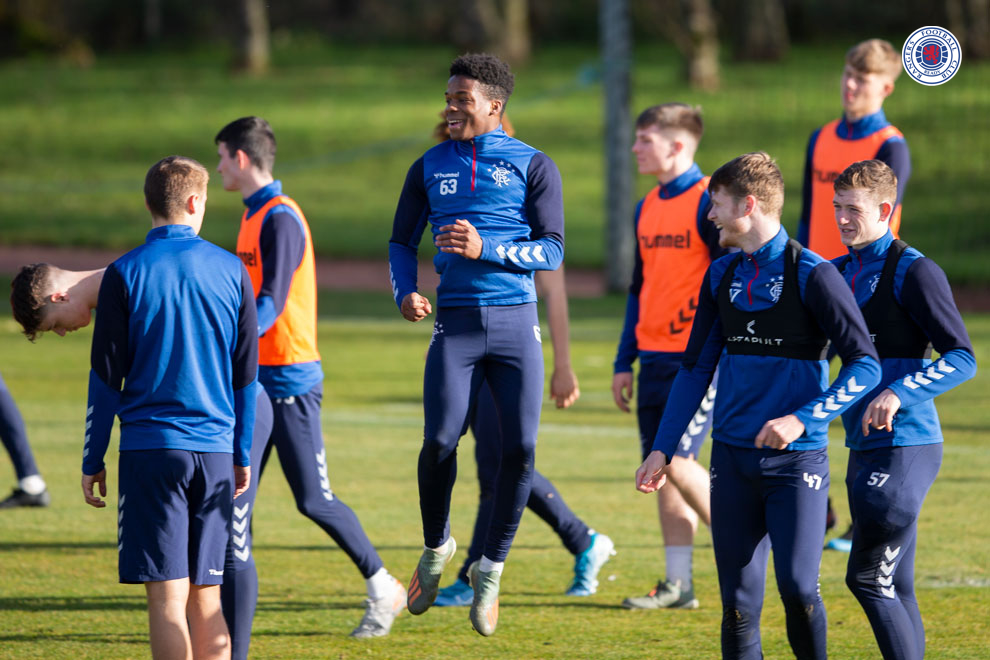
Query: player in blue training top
x=31, y=489
x=60, y=300
x=893, y=433
x=495, y=208
x=276, y=246
x=174, y=356
x=764, y=318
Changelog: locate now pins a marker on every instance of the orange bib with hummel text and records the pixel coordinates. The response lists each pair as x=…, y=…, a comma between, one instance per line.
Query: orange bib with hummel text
x=292, y=338
x=832, y=155
x=674, y=263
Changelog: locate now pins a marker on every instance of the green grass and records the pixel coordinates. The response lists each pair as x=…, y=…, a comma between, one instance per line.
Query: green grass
x=351, y=119
x=60, y=597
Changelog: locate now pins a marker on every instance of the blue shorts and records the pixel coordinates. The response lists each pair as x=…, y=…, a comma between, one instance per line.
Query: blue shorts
x=173, y=515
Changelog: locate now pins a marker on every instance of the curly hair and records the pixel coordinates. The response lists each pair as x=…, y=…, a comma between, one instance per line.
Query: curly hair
x=494, y=75
x=27, y=297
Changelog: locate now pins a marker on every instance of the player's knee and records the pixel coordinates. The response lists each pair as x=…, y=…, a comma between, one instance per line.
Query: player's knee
x=798, y=598
x=438, y=447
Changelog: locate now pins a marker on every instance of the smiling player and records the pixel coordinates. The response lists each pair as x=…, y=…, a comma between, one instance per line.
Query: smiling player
x=495, y=208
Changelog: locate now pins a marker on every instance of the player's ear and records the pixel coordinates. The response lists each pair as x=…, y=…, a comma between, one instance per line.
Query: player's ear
x=886, y=208
x=59, y=297
x=243, y=160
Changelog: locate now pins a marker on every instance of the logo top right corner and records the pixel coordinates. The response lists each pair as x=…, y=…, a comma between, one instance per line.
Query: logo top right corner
x=931, y=55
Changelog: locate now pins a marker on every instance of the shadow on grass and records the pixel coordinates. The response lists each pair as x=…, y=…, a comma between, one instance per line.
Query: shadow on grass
x=85, y=638
x=17, y=546
x=73, y=604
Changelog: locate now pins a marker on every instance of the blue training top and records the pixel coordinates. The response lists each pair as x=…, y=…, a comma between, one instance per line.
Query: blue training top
x=175, y=351
x=920, y=287
x=282, y=243
x=509, y=191
x=754, y=389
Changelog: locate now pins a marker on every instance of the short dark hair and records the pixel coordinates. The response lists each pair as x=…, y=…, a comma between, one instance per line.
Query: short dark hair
x=673, y=115
x=169, y=183
x=753, y=174
x=495, y=76
x=253, y=136
x=27, y=297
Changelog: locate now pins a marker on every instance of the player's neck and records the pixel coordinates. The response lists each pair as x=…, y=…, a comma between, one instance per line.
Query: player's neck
x=87, y=286
x=253, y=181
x=679, y=167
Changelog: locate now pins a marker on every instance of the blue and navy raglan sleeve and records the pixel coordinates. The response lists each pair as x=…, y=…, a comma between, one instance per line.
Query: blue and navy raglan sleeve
x=697, y=369
x=804, y=222
x=545, y=215
x=927, y=297
x=411, y=216
x=109, y=365
x=245, y=372
x=834, y=307
x=282, y=243
x=894, y=152
x=628, y=349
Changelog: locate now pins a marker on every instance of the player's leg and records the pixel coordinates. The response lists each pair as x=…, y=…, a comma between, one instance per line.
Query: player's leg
x=210, y=496
x=742, y=546
x=168, y=628
x=298, y=439
x=31, y=489
x=887, y=488
x=239, y=592
x=796, y=485
x=684, y=471
x=153, y=539
x=514, y=370
x=207, y=629
x=487, y=455
x=450, y=384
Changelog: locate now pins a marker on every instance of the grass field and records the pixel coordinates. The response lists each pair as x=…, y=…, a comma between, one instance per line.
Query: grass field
x=59, y=597
x=350, y=120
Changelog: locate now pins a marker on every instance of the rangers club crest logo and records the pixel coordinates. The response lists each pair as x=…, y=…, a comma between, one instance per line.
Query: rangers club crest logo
x=931, y=55
x=500, y=173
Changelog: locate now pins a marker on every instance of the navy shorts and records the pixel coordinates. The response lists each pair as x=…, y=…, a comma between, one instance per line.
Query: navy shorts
x=173, y=515
x=654, y=383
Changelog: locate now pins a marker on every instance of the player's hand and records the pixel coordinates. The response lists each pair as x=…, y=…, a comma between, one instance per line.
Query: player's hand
x=88, y=481
x=242, y=480
x=415, y=307
x=460, y=238
x=650, y=477
x=564, y=387
x=622, y=389
x=880, y=413
x=780, y=432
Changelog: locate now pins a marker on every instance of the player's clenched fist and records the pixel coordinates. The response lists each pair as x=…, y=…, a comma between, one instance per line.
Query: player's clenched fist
x=415, y=307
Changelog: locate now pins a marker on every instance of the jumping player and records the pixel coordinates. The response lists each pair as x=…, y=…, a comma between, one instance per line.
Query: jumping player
x=862, y=132
x=590, y=549
x=675, y=245
x=174, y=356
x=495, y=208
x=893, y=433
x=49, y=298
x=276, y=246
x=764, y=318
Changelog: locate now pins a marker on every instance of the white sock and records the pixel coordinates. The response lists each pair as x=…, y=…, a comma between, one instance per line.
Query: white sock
x=379, y=584
x=442, y=550
x=679, y=565
x=33, y=485
x=487, y=565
